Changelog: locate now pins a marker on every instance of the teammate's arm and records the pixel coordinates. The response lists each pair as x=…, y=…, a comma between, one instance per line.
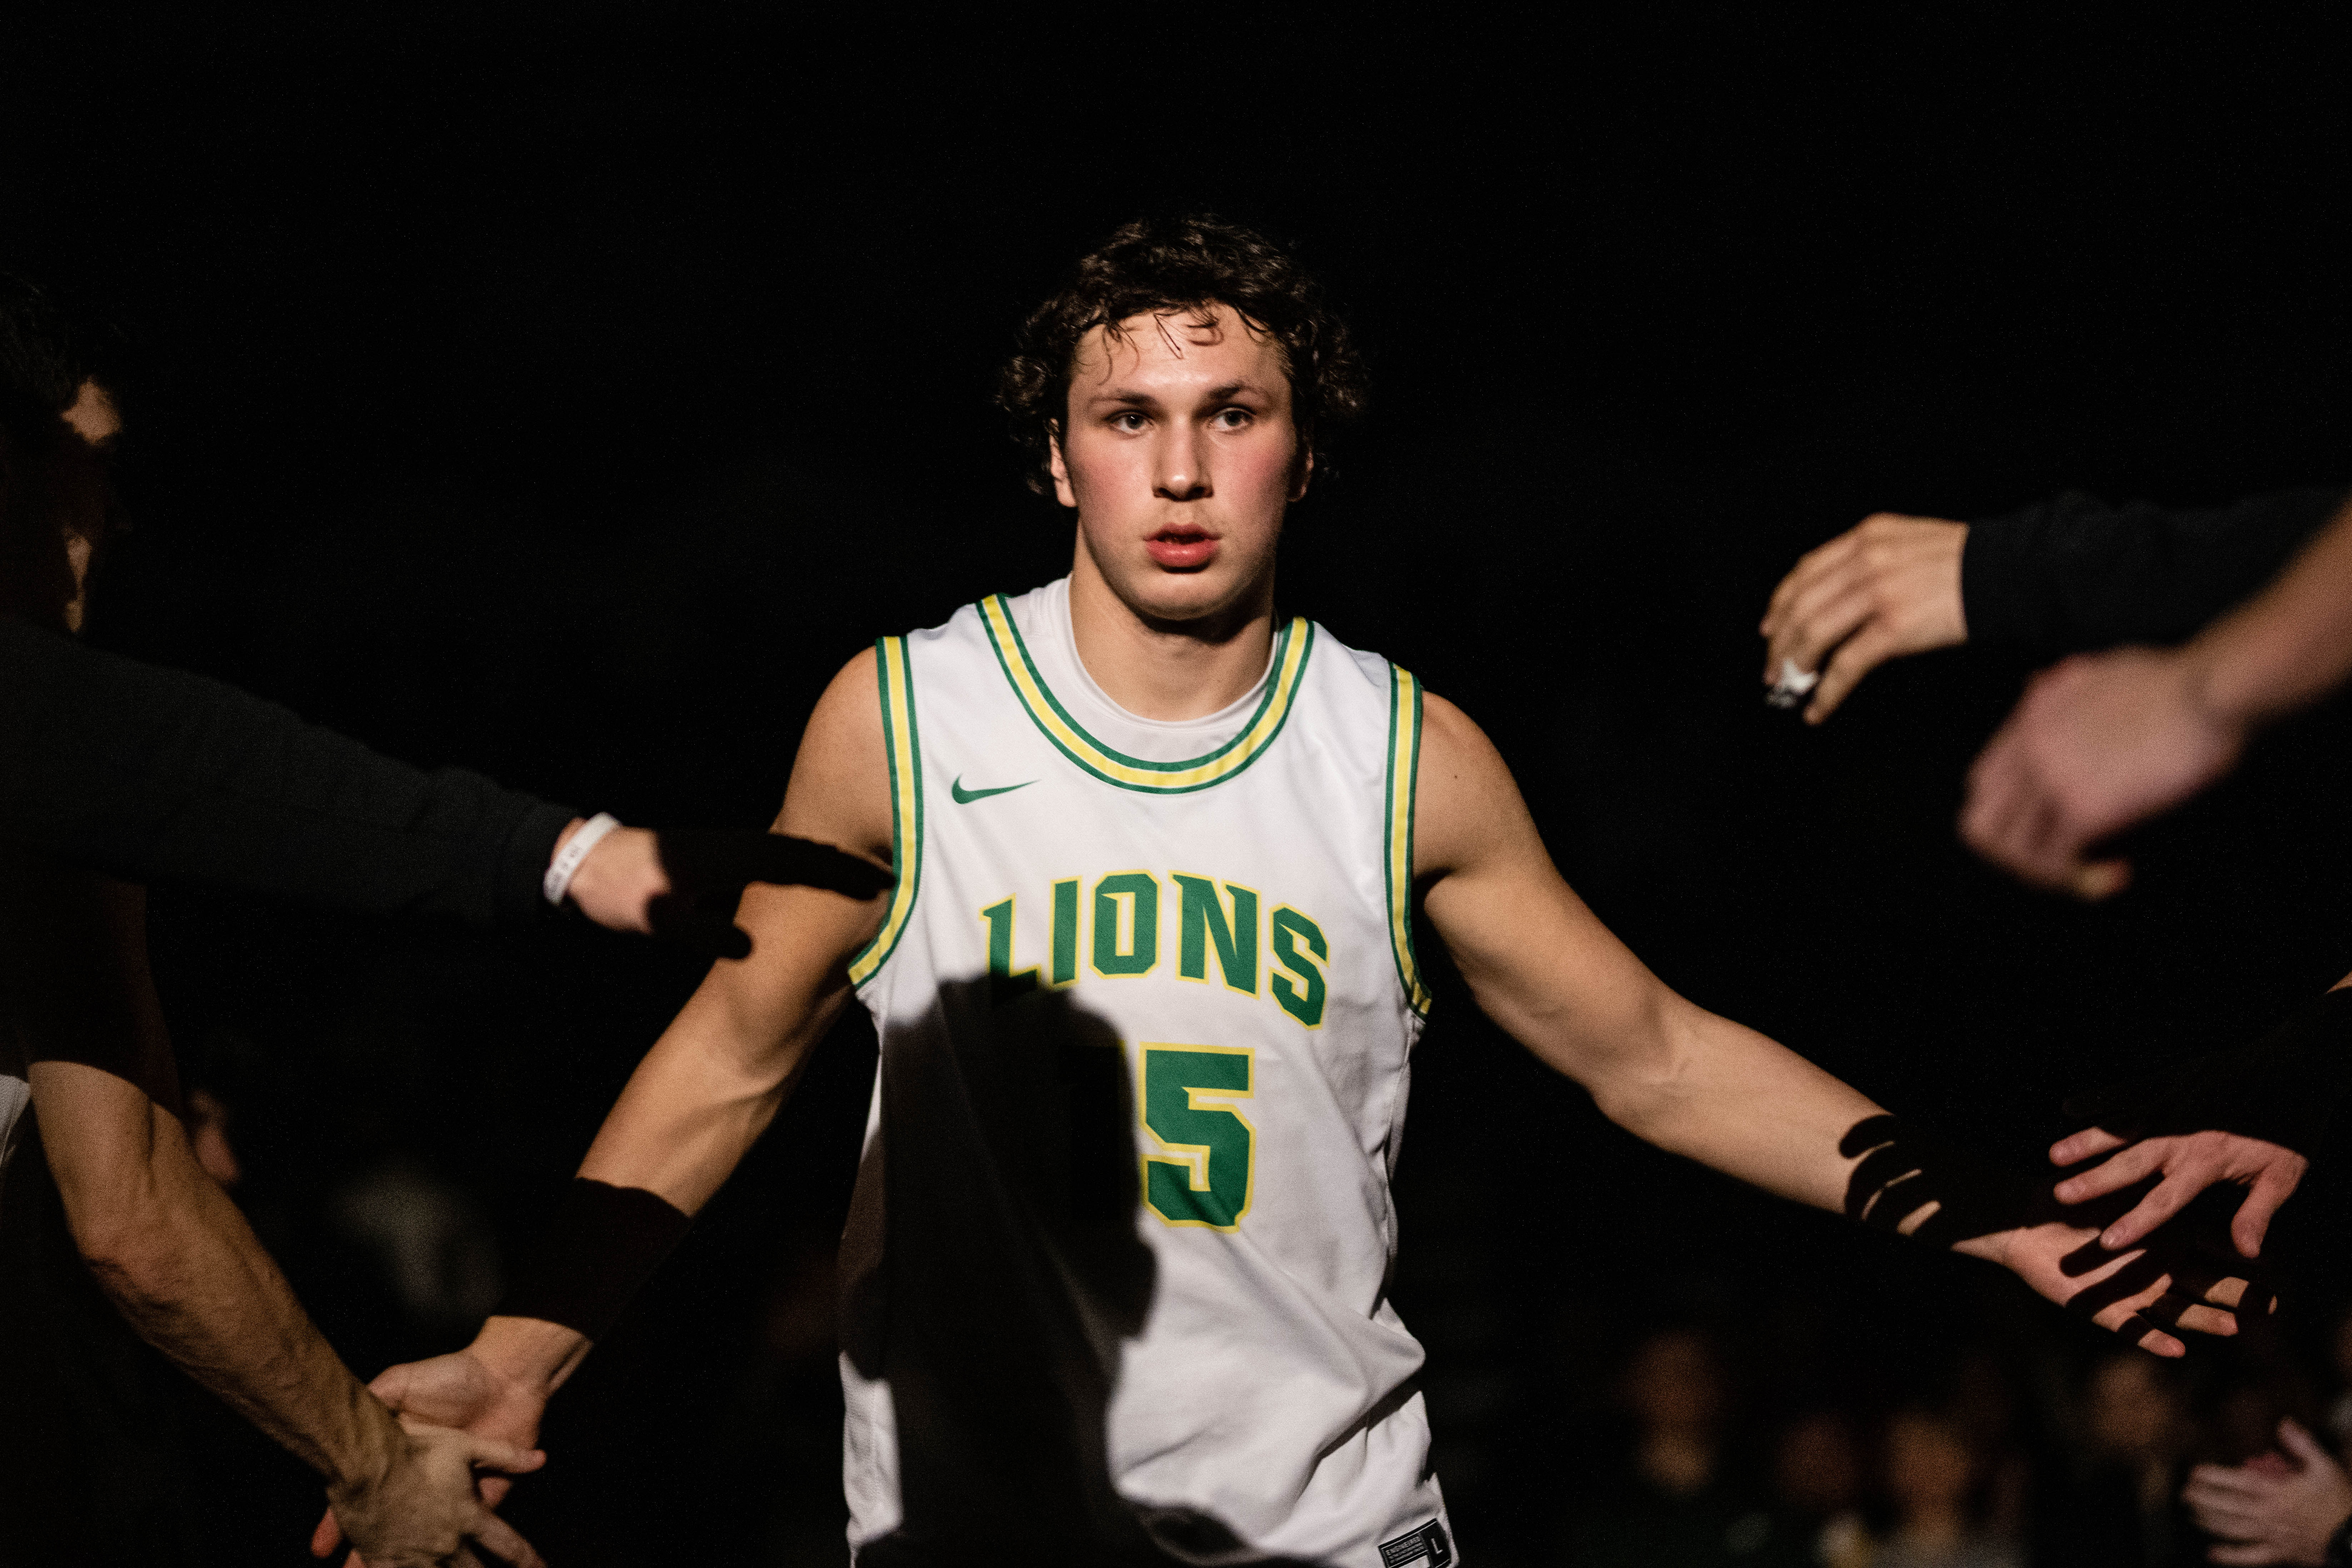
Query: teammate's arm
x=1671, y=1073
x=718, y=1074
x=176, y=1256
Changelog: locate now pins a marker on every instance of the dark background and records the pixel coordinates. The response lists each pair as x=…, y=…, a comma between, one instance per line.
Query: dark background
x=569, y=391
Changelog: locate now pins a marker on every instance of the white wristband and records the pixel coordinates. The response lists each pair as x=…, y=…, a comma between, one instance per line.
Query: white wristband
x=558, y=880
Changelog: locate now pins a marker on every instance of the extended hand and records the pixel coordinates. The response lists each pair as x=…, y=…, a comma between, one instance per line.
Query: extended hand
x=2190, y=1163
x=2099, y=743
x=2138, y=1294
x=2266, y=1512
x=1911, y=1179
x=1888, y=586
x=459, y=1390
x=636, y=881
x=422, y=1512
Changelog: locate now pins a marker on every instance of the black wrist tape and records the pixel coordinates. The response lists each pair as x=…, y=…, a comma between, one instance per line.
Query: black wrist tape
x=604, y=1243
x=2284, y=1088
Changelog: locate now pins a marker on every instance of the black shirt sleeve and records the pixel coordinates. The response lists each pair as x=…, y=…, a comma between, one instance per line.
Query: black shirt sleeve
x=155, y=774
x=2075, y=574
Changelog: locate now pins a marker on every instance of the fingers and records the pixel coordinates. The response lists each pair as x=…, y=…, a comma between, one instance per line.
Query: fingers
x=326, y=1535
x=2270, y=1192
x=2136, y=1163
x=2256, y=1555
x=1823, y=620
x=2301, y=1444
x=1810, y=570
x=2089, y=1143
x=490, y=1454
x=2100, y=879
x=499, y=1538
x=2171, y=1196
x=1857, y=657
x=2198, y=1320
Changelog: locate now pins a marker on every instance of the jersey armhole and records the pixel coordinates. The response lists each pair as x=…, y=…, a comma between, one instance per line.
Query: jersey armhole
x=1396, y=817
x=894, y=676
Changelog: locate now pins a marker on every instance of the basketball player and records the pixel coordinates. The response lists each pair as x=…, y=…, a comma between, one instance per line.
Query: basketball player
x=1115, y=1284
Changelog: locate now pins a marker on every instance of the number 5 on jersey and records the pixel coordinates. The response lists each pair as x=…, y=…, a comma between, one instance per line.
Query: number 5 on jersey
x=1206, y=1177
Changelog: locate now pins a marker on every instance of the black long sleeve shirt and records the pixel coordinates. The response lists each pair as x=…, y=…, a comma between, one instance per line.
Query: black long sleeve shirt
x=2075, y=574
x=155, y=774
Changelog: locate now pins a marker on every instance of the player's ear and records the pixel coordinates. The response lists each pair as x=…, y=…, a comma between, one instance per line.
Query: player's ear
x=1302, y=469
x=1056, y=467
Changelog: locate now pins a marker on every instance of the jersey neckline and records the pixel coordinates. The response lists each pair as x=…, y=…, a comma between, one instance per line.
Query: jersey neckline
x=1292, y=646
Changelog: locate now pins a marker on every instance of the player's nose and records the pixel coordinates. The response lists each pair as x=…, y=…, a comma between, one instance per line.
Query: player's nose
x=1183, y=466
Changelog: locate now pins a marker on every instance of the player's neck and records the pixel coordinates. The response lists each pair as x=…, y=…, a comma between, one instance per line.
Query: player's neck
x=1168, y=671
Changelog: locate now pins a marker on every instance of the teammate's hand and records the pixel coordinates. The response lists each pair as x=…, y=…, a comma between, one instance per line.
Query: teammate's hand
x=459, y=1390
x=2189, y=1162
x=2266, y=1512
x=675, y=885
x=2099, y=743
x=420, y=1509
x=1886, y=587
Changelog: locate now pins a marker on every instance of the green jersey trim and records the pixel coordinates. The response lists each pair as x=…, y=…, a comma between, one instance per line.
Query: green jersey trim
x=1292, y=646
x=896, y=681
x=1396, y=853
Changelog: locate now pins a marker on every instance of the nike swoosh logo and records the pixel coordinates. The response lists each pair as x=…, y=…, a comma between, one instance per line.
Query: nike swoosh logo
x=963, y=796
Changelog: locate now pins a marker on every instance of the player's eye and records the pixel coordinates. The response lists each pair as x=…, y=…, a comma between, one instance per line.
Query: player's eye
x=1230, y=419
x=1126, y=422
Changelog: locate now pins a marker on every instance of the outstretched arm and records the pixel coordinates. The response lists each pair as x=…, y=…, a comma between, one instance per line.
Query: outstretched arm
x=718, y=1074
x=2101, y=744
x=1701, y=1086
x=175, y=1256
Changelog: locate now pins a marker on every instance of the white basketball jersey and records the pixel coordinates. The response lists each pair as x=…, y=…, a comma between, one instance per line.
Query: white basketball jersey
x=1208, y=923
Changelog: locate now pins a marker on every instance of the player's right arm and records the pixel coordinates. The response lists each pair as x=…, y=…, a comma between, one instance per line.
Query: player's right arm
x=718, y=1074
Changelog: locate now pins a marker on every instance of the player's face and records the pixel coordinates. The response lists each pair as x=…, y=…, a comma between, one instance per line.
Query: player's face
x=1180, y=456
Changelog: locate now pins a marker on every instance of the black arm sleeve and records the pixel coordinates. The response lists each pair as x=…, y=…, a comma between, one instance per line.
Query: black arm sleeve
x=2075, y=574
x=155, y=774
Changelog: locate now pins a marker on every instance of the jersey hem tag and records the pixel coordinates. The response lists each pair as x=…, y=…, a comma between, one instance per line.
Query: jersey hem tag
x=1427, y=1544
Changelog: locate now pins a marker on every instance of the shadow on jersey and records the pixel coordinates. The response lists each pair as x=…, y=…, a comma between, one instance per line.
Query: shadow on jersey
x=992, y=1270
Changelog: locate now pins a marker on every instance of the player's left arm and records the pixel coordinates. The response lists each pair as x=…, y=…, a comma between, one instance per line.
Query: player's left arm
x=1674, y=1075
x=175, y=1254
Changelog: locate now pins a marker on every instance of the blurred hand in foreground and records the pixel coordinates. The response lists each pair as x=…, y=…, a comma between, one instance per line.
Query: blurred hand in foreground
x=1886, y=587
x=2099, y=743
x=2269, y=1512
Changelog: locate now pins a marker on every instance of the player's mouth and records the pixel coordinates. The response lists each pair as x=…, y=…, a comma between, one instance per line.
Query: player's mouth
x=1182, y=547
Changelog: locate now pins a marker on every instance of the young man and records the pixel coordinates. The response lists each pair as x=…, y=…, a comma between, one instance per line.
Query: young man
x=1116, y=1275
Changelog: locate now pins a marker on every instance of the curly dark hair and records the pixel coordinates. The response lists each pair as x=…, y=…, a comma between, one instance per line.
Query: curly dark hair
x=1165, y=266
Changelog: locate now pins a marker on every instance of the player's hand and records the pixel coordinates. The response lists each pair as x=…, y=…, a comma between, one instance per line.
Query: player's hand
x=2188, y=1164
x=1886, y=587
x=2099, y=743
x=1911, y=1179
x=2141, y=1294
x=676, y=885
x=461, y=1391
x=2273, y=1513
x=422, y=1512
